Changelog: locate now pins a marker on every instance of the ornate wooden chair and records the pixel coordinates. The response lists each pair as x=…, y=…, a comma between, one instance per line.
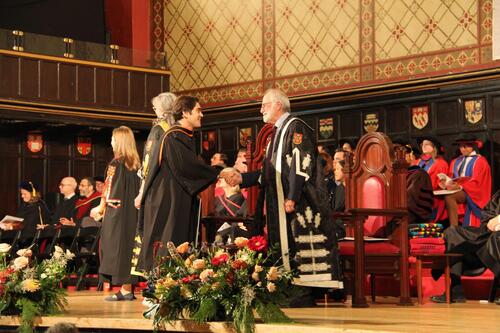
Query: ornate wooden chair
x=375, y=177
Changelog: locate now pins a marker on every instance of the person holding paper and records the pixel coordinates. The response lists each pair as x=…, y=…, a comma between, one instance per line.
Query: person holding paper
x=433, y=163
x=32, y=210
x=472, y=177
x=480, y=248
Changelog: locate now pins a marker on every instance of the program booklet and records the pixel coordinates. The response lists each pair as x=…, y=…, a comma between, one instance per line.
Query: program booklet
x=11, y=219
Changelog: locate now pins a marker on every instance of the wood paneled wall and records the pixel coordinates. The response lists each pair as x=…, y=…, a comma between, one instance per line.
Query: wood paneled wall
x=71, y=85
x=446, y=118
x=58, y=158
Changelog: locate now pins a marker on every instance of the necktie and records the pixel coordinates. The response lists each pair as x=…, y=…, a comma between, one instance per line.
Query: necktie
x=270, y=153
x=462, y=166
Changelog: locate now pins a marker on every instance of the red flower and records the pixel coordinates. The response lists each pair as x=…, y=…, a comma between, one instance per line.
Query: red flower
x=220, y=259
x=189, y=278
x=257, y=243
x=239, y=264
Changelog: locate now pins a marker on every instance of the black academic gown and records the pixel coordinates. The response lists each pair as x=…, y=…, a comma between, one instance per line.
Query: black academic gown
x=170, y=203
x=480, y=246
x=33, y=213
x=119, y=222
x=291, y=171
x=420, y=195
x=151, y=165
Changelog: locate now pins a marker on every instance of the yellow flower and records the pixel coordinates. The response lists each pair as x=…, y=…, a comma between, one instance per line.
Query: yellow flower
x=255, y=276
x=206, y=274
x=168, y=282
x=271, y=287
x=185, y=292
x=30, y=285
x=199, y=264
x=272, y=274
x=183, y=248
x=258, y=268
x=241, y=242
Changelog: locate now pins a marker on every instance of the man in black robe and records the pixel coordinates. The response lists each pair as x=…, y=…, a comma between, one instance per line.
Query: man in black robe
x=480, y=248
x=171, y=194
x=296, y=197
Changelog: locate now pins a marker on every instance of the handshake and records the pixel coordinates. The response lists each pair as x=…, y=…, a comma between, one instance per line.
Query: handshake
x=232, y=176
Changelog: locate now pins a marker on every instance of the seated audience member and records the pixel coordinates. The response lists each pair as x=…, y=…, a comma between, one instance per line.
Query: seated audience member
x=219, y=159
x=327, y=163
x=347, y=145
x=474, y=187
x=99, y=183
x=338, y=156
x=33, y=210
x=339, y=197
x=89, y=198
x=62, y=327
x=480, y=248
x=231, y=202
x=433, y=164
x=65, y=212
x=419, y=194
x=241, y=161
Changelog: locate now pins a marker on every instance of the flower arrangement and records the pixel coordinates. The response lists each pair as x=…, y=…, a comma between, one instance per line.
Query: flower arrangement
x=29, y=288
x=220, y=284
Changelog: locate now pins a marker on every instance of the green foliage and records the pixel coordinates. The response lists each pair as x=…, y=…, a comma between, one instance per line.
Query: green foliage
x=220, y=284
x=29, y=288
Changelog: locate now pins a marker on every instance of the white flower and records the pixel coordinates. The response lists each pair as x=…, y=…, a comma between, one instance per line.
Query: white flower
x=20, y=262
x=58, y=249
x=24, y=253
x=4, y=248
x=43, y=276
x=258, y=268
x=255, y=276
x=70, y=255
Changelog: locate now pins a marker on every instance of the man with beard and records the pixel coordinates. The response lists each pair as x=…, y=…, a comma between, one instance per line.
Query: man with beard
x=296, y=197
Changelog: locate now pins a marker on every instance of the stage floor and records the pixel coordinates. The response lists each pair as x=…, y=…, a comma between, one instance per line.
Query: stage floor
x=88, y=310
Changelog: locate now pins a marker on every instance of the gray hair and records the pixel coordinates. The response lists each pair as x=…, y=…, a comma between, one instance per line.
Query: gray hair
x=279, y=96
x=166, y=101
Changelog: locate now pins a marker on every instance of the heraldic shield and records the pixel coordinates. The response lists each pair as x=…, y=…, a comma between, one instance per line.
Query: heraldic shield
x=420, y=116
x=474, y=110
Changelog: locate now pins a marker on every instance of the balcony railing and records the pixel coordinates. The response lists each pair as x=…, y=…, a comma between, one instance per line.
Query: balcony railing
x=67, y=47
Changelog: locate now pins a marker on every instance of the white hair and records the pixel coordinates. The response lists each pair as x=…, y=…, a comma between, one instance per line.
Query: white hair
x=279, y=96
x=165, y=101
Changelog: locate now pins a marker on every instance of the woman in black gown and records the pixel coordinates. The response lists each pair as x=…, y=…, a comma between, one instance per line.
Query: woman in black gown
x=120, y=215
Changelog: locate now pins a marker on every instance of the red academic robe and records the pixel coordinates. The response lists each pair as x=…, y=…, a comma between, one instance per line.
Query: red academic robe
x=433, y=167
x=477, y=188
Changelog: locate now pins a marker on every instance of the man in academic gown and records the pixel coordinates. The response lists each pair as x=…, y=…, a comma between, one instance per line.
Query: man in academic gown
x=433, y=163
x=173, y=208
x=475, y=191
x=296, y=197
x=480, y=248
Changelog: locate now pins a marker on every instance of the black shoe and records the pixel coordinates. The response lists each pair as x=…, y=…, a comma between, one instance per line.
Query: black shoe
x=120, y=297
x=454, y=298
x=497, y=301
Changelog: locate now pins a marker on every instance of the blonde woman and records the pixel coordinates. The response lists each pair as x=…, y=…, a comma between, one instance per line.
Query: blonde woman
x=120, y=216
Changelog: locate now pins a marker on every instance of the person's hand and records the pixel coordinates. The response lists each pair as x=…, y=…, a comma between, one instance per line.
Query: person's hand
x=65, y=221
x=493, y=224
x=233, y=178
x=442, y=184
x=137, y=200
x=452, y=186
x=3, y=226
x=96, y=213
x=289, y=206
